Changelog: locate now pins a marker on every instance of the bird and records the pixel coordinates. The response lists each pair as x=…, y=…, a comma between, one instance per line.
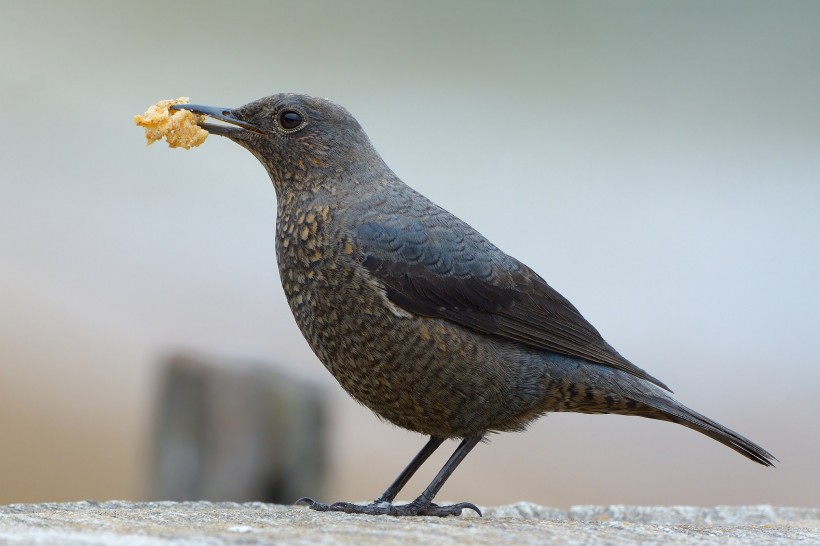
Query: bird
x=416, y=314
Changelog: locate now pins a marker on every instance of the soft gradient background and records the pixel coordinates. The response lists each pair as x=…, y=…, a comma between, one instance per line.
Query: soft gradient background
x=657, y=162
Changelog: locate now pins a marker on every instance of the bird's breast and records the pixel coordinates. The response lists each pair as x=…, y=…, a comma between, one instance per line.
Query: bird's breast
x=420, y=373
x=319, y=277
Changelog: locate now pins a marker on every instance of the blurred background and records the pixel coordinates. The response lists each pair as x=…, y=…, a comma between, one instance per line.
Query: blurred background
x=657, y=162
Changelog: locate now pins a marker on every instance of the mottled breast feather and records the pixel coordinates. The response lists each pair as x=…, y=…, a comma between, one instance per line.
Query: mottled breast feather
x=432, y=264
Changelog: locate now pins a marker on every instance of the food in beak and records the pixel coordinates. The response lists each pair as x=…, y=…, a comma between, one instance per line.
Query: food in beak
x=180, y=128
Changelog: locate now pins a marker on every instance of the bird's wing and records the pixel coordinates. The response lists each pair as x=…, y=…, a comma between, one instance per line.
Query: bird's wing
x=450, y=271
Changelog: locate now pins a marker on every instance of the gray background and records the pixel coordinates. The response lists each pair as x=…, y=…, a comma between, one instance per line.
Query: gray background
x=656, y=162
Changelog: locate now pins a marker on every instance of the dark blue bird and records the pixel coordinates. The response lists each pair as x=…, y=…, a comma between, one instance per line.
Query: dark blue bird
x=416, y=314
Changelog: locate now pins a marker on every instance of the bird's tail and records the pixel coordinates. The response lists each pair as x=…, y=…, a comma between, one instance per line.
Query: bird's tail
x=600, y=389
x=671, y=410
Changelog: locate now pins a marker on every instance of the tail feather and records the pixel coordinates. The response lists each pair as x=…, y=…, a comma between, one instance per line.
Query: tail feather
x=671, y=410
x=598, y=389
x=682, y=415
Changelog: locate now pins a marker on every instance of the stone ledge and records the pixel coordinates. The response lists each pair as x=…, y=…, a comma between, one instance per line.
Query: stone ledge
x=216, y=524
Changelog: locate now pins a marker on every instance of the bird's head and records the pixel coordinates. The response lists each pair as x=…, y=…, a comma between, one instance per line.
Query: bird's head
x=302, y=141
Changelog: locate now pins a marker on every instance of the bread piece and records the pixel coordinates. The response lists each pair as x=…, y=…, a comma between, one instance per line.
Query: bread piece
x=179, y=127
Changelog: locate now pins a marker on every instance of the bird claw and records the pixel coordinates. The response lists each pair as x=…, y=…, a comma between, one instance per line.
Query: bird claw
x=312, y=504
x=381, y=508
x=449, y=510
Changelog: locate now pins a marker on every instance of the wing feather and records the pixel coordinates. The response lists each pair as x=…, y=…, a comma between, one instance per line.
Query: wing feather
x=428, y=271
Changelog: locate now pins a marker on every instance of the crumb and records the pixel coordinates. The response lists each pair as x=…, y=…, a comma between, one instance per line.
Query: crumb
x=179, y=127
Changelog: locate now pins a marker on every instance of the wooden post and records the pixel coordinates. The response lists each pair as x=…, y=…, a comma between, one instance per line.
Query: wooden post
x=237, y=431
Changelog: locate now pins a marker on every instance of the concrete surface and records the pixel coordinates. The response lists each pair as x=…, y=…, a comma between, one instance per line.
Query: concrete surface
x=216, y=524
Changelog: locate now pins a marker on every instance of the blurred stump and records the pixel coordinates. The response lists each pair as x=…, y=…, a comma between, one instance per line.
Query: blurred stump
x=236, y=431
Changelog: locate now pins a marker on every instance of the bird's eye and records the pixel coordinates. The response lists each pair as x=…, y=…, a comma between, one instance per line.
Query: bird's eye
x=290, y=119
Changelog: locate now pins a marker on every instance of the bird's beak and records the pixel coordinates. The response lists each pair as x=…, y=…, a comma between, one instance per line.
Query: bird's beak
x=221, y=114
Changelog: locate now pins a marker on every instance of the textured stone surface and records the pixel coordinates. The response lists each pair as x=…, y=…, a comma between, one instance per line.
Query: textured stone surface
x=203, y=523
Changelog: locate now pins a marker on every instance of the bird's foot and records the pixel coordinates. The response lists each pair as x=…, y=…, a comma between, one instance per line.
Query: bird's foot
x=382, y=508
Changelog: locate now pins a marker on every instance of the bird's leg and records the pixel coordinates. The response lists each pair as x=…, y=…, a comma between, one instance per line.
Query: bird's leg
x=423, y=505
x=386, y=498
x=428, y=449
